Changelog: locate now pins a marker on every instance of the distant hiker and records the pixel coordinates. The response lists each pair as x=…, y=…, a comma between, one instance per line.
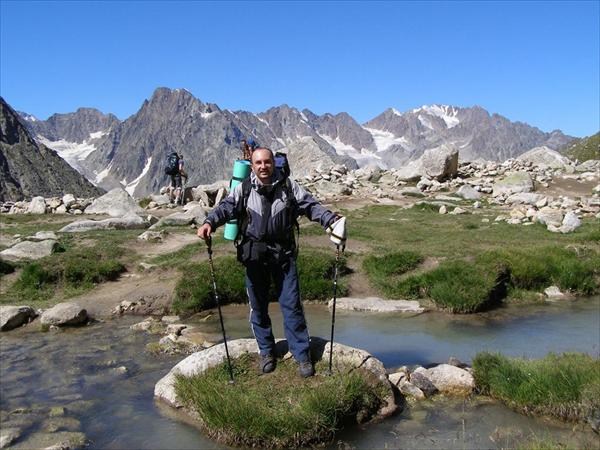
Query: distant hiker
x=247, y=147
x=175, y=169
x=268, y=251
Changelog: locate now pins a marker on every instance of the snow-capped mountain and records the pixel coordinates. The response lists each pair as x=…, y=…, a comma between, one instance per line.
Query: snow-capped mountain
x=132, y=153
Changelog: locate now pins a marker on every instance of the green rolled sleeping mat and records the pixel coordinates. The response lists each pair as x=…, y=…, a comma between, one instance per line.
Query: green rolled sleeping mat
x=241, y=171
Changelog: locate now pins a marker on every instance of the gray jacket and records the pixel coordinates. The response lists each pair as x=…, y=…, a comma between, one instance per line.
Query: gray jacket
x=279, y=226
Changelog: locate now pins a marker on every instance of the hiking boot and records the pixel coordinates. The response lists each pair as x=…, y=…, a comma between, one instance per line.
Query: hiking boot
x=267, y=363
x=306, y=369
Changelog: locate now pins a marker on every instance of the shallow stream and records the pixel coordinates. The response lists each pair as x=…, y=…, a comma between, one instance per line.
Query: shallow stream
x=104, y=378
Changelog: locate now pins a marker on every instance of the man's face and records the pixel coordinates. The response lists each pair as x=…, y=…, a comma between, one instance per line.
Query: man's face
x=262, y=165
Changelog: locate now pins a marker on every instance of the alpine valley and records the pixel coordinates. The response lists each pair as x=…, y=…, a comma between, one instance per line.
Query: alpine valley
x=132, y=153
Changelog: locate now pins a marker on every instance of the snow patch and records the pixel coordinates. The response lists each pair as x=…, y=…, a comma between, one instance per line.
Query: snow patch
x=445, y=112
x=303, y=116
x=103, y=174
x=363, y=157
x=207, y=115
x=396, y=112
x=131, y=186
x=425, y=121
x=385, y=139
x=72, y=152
x=98, y=134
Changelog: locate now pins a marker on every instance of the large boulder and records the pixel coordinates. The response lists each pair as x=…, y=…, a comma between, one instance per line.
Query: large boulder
x=378, y=305
x=14, y=316
x=115, y=203
x=448, y=379
x=545, y=158
x=513, y=182
x=29, y=250
x=64, y=314
x=37, y=206
x=197, y=215
x=130, y=222
x=441, y=162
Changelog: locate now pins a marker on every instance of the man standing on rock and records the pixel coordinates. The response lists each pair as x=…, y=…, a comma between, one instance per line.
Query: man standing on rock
x=268, y=251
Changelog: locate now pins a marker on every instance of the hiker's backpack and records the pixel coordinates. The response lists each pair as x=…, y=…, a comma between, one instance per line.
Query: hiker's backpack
x=172, y=167
x=281, y=163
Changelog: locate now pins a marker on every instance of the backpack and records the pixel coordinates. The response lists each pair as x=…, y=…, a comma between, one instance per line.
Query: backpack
x=172, y=167
x=281, y=163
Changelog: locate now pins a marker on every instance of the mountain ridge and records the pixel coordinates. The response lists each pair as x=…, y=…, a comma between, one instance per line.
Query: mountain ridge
x=131, y=153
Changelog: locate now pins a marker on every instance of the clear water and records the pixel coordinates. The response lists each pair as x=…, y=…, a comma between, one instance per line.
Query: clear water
x=80, y=369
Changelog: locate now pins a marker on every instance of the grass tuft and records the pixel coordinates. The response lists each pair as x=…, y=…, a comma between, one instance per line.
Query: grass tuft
x=73, y=270
x=280, y=409
x=566, y=386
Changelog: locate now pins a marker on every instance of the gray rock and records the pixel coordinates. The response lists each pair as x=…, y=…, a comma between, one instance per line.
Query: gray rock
x=375, y=304
x=29, y=250
x=62, y=209
x=115, y=203
x=43, y=235
x=8, y=436
x=412, y=171
x=570, y=222
x=397, y=378
x=160, y=200
x=549, y=216
x=554, y=293
x=130, y=222
x=37, y=206
x=410, y=390
x=153, y=236
x=411, y=192
x=441, y=162
x=64, y=314
x=513, y=182
x=448, y=379
x=527, y=198
x=68, y=200
x=545, y=158
x=467, y=192
x=198, y=195
x=14, y=316
x=421, y=381
x=458, y=210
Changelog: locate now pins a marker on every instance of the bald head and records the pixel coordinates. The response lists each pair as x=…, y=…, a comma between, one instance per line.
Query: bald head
x=263, y=164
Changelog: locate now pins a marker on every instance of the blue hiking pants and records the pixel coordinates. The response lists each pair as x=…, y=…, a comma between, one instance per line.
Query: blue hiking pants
x=285, y=280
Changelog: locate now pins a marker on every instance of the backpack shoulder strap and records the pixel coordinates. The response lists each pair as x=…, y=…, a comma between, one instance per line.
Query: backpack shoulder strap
x=292, y=206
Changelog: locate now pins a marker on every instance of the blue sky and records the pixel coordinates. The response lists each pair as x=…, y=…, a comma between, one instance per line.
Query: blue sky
x=535, y=62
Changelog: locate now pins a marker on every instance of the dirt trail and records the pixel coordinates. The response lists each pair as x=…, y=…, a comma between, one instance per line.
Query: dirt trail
x=154, y=288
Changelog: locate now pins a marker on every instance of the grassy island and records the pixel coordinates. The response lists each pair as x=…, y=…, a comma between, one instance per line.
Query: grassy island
x=279, y=409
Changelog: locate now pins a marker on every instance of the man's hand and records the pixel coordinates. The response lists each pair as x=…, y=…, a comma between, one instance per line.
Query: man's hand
x=204, y=231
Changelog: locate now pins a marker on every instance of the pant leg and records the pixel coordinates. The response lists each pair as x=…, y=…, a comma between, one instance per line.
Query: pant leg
x=294, y=321
x=257, y=287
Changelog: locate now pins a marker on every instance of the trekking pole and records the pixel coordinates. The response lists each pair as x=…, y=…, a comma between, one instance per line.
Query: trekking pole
x=335, y=276
x=183, y=183
x=214, y=283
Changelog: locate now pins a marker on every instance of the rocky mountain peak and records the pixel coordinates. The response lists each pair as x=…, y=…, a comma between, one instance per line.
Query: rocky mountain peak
x=28, y=169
